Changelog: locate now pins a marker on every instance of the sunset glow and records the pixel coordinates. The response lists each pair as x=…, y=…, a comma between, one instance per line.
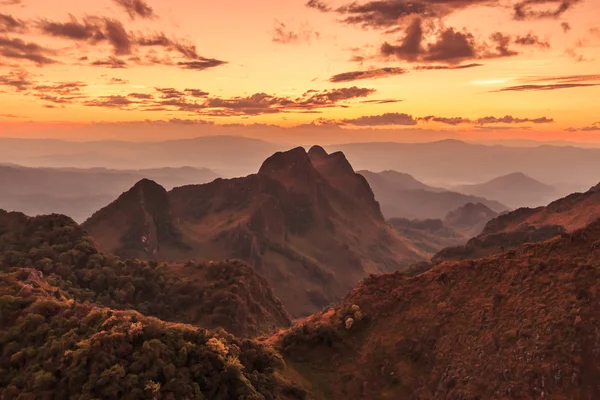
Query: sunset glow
x=479, y=69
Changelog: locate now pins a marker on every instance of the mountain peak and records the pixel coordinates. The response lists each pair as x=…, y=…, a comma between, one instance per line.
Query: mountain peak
x=317, y=152
x=290, y=167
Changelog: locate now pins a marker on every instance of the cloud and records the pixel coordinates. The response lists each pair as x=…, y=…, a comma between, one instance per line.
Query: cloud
x=196, y=92
x=554, y=83
x=110, y=102
x=507, y=119
x=444, y=67
x=201, y=64
x=18, y=80
x=384, y=101
x=19, y=49
x=592, y=128
x=368, y=74
x=449, y=46
x=531, y=40
x=318, y=5
x=110, y=62
x=136, y=8
x=170, y=93
x=566, y=27
x=541, y=9
x=10, y=2
x=141, y=96
x=386, y=14
x=10, y=24
x=118, y=81
x=284, y=35
x=382, y=120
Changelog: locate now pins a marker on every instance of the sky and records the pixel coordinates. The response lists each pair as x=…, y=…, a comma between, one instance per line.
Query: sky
x=342, y=71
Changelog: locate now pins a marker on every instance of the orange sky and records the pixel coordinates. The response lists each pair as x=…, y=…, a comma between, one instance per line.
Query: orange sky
x=272, y=62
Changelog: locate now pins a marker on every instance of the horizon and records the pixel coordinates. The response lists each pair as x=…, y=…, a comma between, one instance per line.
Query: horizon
x=143, y=70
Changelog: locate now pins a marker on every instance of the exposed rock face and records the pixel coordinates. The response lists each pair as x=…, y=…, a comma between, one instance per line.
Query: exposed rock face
x=306, y=222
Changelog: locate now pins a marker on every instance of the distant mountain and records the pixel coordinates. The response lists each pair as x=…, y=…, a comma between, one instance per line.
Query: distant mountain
x=527, y=225
x=306, y=222
x=79, y=192
x=471, y=218
x=402, y=196
x=517, y=325
x=226, y=155
x=515, y=190
x=452, y=162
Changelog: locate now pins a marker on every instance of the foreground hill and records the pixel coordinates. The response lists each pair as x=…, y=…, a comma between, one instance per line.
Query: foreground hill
x=78, y=193
x=402, y=196
x=227, y=294
x=529, y=225
x=519, y=325
x=306, y=222
x=515, y=190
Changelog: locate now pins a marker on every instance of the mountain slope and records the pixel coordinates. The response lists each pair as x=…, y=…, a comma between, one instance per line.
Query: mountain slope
x=519, y=325
x=402, y=196
x=515, y=190
x=223, y=294
x=306, y=222
x=529, y=225
x=470, y=219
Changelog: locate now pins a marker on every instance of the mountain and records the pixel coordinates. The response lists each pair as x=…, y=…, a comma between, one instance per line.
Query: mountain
x=515, y=190
x=225, y=294
x=402, y=196
x=76, y=323
x=79, y=192
x=523, y=324
x=470, y=219
x=306, y=222
x=453, y=162
x=430, y=235
x=226, y=155
x=529, y=225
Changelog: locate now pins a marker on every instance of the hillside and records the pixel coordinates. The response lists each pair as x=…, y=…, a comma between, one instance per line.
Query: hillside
x=78, y=193
x=529, y=225
x=515, y=190
x=306, y=222
x=402, y=196
x=225, y=294
x=523, y=324
x=470, y=219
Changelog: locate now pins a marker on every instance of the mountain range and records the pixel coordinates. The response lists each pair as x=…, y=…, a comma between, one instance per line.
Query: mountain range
x=403, y=196
x=77, y=192
x=306, y=222
x=515, y=190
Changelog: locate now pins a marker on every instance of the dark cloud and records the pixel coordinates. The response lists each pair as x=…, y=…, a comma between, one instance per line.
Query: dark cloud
x=196, y=93
x=187, y=50
x=386, y=14
x=382, y=120
x=318, y=5
x=531, y=40
x=118, y=81
x=444, y=120
x=554, y=83
x=16, y=48
x=141, y=96
x=10, y=2
x=444, y=67
x=110, y=62
x=592, y=128
x=540, y=9
x=19, y=80
x=8, y=23
x=384, y=101
x=508, y=119
x=554, y=86
x=110, y=102
x=566, y=27
x=201, y=64
x=118, y=37
x=285, y=35
x=449, y=46
x=169, y=93
x=368, y=74
x=136, y=8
